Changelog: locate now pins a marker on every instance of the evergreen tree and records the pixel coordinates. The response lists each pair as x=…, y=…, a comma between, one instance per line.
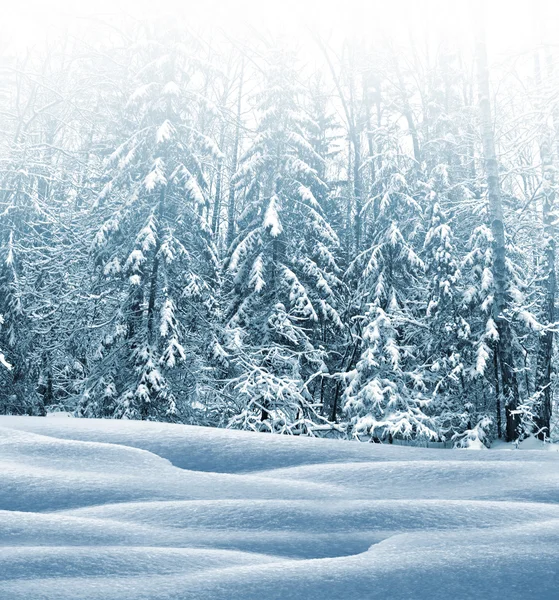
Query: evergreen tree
x=386, y=395
x=154, y=250
x=283, y=270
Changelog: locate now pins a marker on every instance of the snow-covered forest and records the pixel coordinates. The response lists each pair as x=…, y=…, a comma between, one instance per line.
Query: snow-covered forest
x=351, y=238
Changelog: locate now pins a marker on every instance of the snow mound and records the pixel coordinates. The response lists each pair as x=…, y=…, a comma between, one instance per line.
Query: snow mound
x=119, y=510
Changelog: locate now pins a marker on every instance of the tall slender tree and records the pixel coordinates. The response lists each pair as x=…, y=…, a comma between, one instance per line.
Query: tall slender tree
x=506, y=368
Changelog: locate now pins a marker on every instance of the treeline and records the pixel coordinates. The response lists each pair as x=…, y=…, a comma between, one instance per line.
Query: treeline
x=223, y=234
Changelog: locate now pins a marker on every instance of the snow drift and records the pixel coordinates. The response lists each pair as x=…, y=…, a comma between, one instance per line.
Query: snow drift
x=133, y=510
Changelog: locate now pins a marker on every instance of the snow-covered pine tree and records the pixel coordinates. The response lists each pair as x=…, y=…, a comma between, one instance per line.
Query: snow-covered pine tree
x=154, y=253
x=40, y=252
x=386, y=395
x=478, y=335
x=384, y=399
x=441, y=346
x=13, y=381
x=460, y=333
x=282, y=266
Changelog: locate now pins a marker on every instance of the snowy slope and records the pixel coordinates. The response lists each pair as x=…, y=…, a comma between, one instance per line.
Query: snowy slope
x=128, y=510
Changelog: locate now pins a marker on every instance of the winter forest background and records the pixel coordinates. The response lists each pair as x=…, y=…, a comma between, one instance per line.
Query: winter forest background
x=316, y=234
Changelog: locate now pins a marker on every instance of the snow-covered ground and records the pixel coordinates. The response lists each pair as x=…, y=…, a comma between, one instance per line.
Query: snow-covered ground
x=128, y=510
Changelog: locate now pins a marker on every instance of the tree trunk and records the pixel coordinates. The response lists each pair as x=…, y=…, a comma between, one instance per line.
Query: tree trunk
x=549, y=280
x=504, y=345
x=155, y=269
x=407, y=113
x=231, y=203
x=217, y=198
x=497, y=394
x=219, y=177
x=357, y=188
x=355, y=129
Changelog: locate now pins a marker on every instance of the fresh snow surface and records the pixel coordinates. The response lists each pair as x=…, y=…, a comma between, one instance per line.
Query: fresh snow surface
x=130, y=510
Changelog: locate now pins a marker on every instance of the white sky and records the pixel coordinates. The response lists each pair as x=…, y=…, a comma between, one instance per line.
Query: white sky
x=511, y=24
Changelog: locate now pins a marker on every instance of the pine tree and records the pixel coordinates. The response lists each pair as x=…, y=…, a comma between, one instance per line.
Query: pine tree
x=444, y=343
x=283, y=269
x=386, y=395
x=385, y=399
x=154, y=250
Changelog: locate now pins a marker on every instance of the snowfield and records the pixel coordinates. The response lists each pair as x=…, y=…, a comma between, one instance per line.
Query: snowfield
x=130, y=510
